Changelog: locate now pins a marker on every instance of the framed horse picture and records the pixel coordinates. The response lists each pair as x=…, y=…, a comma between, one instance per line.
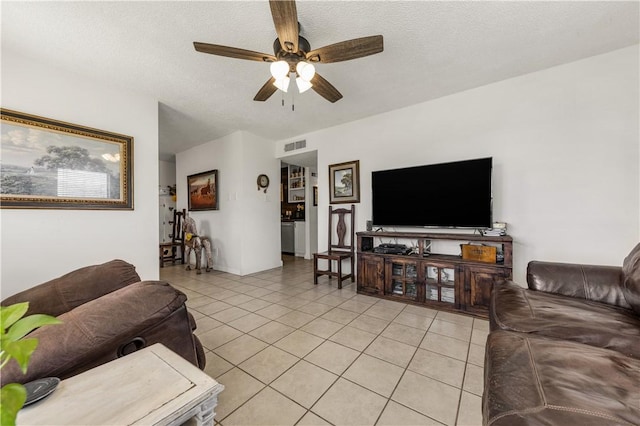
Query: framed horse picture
x=203, y=191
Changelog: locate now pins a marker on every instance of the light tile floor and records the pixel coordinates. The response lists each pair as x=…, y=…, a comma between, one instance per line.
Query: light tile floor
x=292, y=353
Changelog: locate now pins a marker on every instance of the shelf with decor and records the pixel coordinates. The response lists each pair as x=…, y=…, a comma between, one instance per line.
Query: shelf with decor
x=296, y=185
x=437, y=280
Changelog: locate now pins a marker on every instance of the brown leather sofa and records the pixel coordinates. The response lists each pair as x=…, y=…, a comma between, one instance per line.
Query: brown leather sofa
x=106, y=313
x=565, y=351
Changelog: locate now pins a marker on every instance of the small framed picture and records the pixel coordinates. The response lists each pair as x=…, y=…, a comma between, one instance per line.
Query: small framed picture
x=344, y=182
x=203, y=191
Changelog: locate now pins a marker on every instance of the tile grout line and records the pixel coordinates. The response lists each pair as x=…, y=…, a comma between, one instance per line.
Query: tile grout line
x=361, y=352
x=403, y=374
x=281, y=280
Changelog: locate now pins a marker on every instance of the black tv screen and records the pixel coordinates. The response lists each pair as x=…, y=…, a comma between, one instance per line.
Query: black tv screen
x=456, y=194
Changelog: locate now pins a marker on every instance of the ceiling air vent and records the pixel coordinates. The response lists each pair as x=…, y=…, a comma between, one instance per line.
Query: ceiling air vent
x=295, y=145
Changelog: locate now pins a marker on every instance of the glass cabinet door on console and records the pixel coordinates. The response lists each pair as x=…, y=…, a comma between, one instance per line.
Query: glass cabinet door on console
x=402, y=278
x=440, y=283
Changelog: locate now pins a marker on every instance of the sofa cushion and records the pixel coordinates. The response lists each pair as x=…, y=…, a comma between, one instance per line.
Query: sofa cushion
x=631, y=278
x=592, y=282
x=98, y=331
x=532, y=380
x=584, y=321
x=71, y=290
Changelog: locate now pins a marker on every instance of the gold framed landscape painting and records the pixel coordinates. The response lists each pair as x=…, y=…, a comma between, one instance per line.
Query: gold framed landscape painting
x=52, y=164
x=344, y=182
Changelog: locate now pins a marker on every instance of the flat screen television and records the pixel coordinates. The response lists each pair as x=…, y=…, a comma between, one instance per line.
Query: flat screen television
x=446, y=195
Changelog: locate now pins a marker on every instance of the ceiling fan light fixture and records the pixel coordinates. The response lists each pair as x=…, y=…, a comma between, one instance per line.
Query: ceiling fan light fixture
x=305, y=70
x=282, y=83
x=279, y=70
x=292, y=54
x=303, y=85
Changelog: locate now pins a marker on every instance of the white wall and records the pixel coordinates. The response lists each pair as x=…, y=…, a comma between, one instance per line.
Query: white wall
x=166, y=173
x=245, y=231
x=565, y=148
x=260, y=213
x=38, y=245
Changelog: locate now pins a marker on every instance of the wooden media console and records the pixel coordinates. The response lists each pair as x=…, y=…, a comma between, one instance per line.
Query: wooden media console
x=439, y=281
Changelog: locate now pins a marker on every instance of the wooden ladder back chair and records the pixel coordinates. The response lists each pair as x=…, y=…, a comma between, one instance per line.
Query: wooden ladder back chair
x=341, y=246
x=177, y=240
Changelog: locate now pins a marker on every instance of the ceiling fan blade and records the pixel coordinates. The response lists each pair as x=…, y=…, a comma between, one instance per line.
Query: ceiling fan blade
x=325, y=89
x=233, y=52
x=266, y=91
x=285, y=18
x=349, y=49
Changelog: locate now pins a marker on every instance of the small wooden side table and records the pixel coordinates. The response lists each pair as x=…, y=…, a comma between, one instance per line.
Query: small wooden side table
x=153, y=386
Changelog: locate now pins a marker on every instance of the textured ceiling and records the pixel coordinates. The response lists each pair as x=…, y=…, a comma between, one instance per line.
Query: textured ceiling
x=431, y=49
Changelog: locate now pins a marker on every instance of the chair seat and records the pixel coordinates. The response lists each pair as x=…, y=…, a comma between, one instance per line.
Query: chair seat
x=170, y=244
x=172, y=256
x=334, y=254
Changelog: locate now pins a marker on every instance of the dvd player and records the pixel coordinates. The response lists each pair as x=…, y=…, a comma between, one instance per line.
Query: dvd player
x=391, y=249
x=389, y=245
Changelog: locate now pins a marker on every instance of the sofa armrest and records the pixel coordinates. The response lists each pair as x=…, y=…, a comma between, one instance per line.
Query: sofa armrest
x=591, y=282
x=71, y=290
x=104, y=329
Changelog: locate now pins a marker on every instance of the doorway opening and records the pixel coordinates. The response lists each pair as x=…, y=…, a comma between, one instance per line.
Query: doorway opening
x=298, y=204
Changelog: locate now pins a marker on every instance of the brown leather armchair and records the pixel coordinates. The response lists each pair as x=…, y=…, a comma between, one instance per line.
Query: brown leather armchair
x=567, y=349
x=106, y=313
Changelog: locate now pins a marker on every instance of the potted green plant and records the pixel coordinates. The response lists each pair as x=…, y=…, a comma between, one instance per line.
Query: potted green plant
x=13, y=344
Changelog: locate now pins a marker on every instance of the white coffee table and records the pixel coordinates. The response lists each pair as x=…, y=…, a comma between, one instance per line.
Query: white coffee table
x=153, y=386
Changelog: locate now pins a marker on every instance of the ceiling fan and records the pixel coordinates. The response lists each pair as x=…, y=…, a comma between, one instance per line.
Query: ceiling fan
x=293, y=55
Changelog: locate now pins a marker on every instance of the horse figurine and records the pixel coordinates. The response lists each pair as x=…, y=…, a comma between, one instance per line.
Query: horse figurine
x=193, y=241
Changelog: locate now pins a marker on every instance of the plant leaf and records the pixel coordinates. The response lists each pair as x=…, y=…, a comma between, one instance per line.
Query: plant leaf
x=12, y=398
x=11, y=314
x=21, y=351
x=26, y=325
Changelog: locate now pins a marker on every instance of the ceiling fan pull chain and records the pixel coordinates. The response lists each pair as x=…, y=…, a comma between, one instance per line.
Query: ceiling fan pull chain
x=293, y=102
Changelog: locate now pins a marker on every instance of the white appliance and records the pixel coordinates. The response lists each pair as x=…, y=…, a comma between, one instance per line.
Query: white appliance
x=300, y=238
x=287, y=237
